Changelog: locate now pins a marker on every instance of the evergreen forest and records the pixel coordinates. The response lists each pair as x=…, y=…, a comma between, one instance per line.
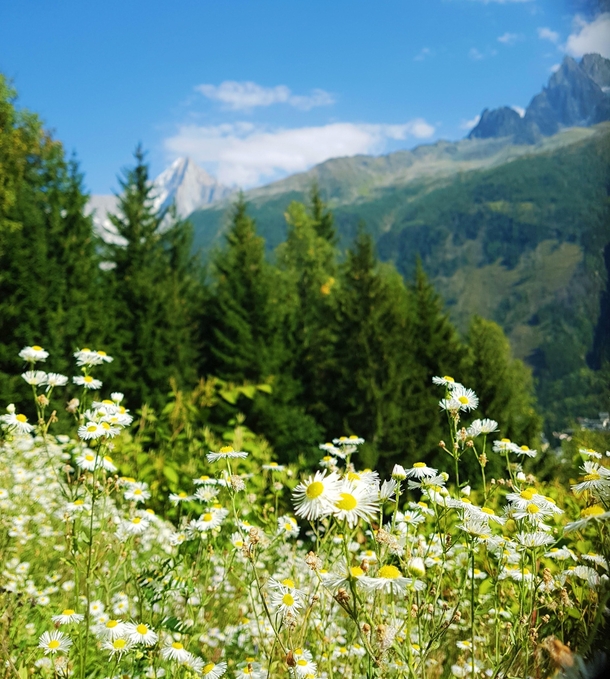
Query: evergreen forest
x=315, y=339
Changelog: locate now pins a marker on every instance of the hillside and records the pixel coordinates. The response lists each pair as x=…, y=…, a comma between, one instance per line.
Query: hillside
x=513, y=233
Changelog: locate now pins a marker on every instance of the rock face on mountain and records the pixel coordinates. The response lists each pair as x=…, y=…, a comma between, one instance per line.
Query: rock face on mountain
x=578, y=94
x=183, y=184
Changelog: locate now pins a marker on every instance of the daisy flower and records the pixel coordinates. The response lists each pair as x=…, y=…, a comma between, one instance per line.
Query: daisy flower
x=88, y=357
x=177, y=498
x=596, y=479
x=35, y=377
x=214, y=670
x=67, y=616
x=592, y=513
x=91, y=431
x=316, y=496
x=399, y=473
x=305, y=668
x=54, y=642
x=136, y=526
x=87, y=382
x=210, y=520
x=504, y=446
x=479, y=427
x=16, y=422
x=274, y=467
x=140, y=634
x=33, y=354
x=420, y=470
x=352, y=440
x=206, y=494
x=112, y=629
x=174, y=650
x=251, y=670
x=446, y=381
x=226, y=452
x=331, y=449
x=354, y=502
x=108, y=464
x=56, y=380
x=286, y=602
x=389, y=579
x=467, y=399
x=288, y=526
x=137, y=492
x=118, y=646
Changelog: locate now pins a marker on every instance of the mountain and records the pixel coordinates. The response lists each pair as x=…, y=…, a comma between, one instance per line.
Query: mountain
x=578, y=94
x=512, y=232
x=183, y=183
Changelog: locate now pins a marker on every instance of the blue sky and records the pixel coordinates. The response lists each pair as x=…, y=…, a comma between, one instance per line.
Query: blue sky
x=256, y=89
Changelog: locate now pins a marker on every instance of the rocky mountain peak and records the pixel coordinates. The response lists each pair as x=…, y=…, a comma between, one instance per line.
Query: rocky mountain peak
x=577, y=94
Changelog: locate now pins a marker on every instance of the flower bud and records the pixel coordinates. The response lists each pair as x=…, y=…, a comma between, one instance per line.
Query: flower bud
x=399, y=473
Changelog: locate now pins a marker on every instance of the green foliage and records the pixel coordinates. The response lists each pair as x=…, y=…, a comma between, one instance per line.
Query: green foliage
x=49, y=277
x=155, y=291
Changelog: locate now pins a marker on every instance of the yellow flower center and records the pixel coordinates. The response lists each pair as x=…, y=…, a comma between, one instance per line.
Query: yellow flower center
x=79, y=502
x=353, y=436
x=54, y=643
x=347, y=502
x=119, y=643
x=101, y=353
x=287, y=526
x=273, y=464
x=353, y=476
x=419, y=465
x=111, y=623
x=463, y=400
x=177, y=645
x=37, y=348
x=533, y=509
x=314, y=490
x=136, y=520
x=92, y=428
x=287, y=582
x=68, y=611
x=21, y=418
x=208, y=668
x=288, y=599
x=207, y=517
x=448, y=378
x=593, y=476
x=389, y=572
x=595, y=510
x=489, y=511
x=302, y=663
x=142, y=629
x=226, y=449
x=83, y=349
x=356, y=571
x=527, y=494
x=88, y=379
x=89, y=458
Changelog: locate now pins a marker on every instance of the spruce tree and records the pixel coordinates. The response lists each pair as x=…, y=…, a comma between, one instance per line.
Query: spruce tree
x=153, y=280
x=49, y=275
x=308, y=264
x=503, y=384
x=244, y=334
x=370, y=383
x=323, y=219
x=437, y=350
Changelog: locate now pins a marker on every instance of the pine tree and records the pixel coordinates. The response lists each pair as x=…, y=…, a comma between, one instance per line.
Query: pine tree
x=49, y=275
x=503, y=384
x=370, y=385
x=323, y=219
x=153, y=281
x=437, y=350
x=244, y=332
x=308, y=264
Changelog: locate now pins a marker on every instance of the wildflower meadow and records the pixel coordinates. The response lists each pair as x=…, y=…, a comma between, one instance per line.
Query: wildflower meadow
x=257, y=570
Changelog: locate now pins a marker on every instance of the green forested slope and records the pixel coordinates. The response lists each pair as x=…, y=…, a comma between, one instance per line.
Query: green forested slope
x=521, y=242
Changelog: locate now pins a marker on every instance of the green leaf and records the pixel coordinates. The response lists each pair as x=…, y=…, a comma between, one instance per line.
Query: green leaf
x=265, y=387
x=170, y=474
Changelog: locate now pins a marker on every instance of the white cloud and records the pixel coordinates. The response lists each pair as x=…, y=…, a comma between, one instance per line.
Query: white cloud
x=474, y=54
x=248, y=155
x=469, y=124
x=238, y=96
x=423, y=53
x=520, y=110
x=510, y=38
x=590, y=37
x=554, y=68
x=545, y=33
